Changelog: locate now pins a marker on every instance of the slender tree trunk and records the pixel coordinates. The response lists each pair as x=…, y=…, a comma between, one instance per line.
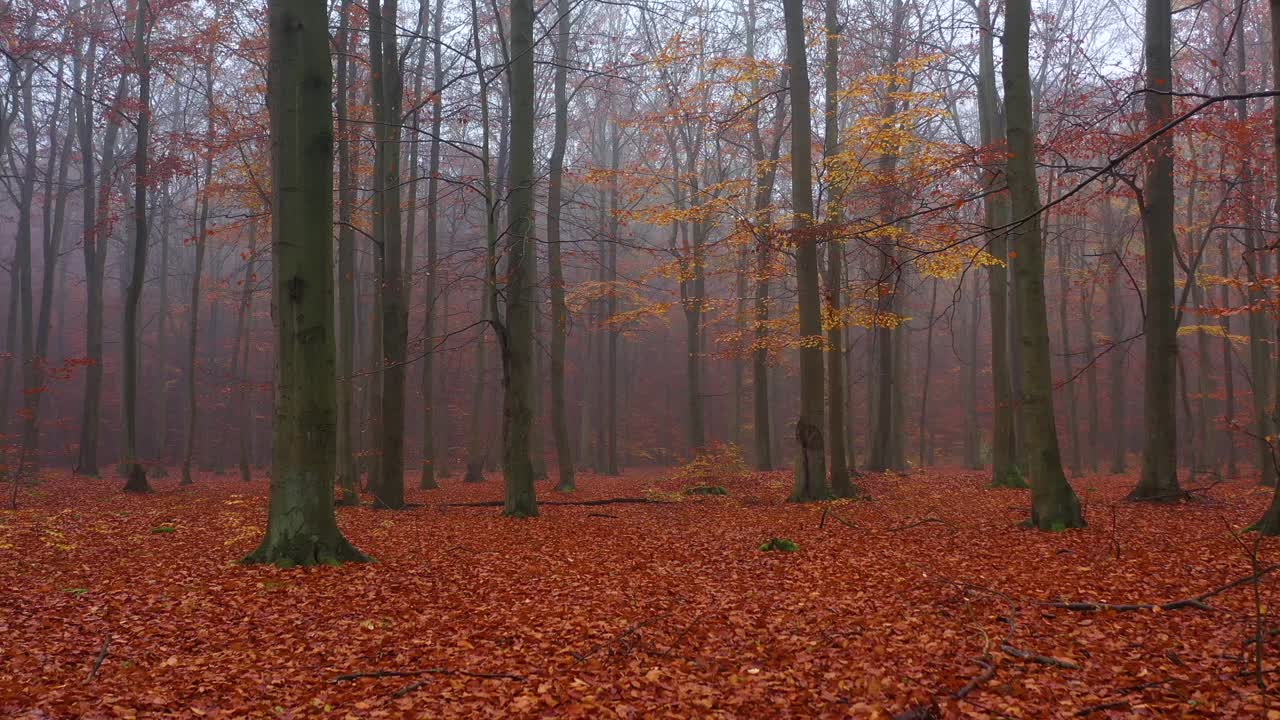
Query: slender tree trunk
x=22, y=273
x=928, y=376
x=137, y=481
x=810, y=471
x=430, y=458
x=1115, y=326
x=388, y=485
x=301, y=527
x=200, y=240
x=841, y=484
x=488, y=311
x=972, y=437
x=1159, y=479
x=240, y=360
x=95, y=202
x=1005, y=471
x=559, y=312
x=346, y=286
x=1054, y=505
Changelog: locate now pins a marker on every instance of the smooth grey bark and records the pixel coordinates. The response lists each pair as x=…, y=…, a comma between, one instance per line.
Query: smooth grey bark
x=1054, y=505
x=301, y=527
x=1159, y=478
x=555, y=273
x=841, y=484
x=346, y=286
x=1005, y=470
x=517, y=333
x=137, y=474
x=202, y=234
x=810, y=467
x=1270, y=522
x=430, y=457
x=388, y=486
x=96, y=214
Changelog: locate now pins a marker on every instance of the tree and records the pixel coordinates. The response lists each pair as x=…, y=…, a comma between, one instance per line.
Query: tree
x=1270, y=522
x=517, y=332
x=429, y=460
x=810, y=472
x=555, y=272
x=1159, y=478
x=1054, y=505
x=346, y=463
x=301, y=527
x=202, y=234
x=384, y=54
x=137, y=475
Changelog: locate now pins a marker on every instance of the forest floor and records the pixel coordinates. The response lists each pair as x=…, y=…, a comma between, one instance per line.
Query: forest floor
x=115, y=606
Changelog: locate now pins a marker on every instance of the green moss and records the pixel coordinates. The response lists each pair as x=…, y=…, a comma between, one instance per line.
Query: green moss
x=1009, y=477
x=163, y=530
x=779, y=545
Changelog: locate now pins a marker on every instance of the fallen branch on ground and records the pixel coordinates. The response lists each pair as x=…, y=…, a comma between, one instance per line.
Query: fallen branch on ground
x=1036, y=657
x=102, y=655
x=1197, y=602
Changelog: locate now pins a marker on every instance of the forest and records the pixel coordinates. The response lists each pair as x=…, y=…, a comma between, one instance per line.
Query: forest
x=896, y=359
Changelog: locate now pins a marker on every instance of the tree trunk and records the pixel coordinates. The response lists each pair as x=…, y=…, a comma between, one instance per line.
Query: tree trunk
x=841, y=484
x=810, y=471
x=388, y=486
x=1270, y=522
x=1054, y=505
x=427, y=481
x=200, y=239
x=1159, y=478
x=301, y=527
x=555, y=272
x=137, y=479
x=517, y=337
x=346, y=462
x=1005, y=470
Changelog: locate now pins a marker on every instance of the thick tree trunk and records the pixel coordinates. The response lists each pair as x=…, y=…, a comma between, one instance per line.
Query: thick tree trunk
x=810, y=468
x=517, y=335
x=1159, y=478
x=1270, y=522
x=1054, y=505
x=301, y=527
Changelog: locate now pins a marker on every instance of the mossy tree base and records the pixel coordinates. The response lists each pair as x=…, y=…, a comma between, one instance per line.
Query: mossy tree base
x=474, y=473
x=566, y=486
x=137, y=482
x=1056, y=510
x=1008, y=477
x=304, y=551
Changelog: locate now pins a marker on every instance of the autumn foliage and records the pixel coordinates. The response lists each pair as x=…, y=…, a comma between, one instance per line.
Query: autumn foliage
x=120, y=607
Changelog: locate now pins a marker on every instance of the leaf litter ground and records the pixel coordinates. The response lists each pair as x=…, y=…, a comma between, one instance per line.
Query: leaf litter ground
x=115, y=606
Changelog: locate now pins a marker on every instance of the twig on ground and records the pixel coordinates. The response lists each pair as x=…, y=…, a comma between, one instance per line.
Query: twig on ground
x=1198, y=602
x=102, y=656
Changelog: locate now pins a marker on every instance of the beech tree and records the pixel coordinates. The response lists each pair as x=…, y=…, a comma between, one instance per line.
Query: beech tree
x=301, y=527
